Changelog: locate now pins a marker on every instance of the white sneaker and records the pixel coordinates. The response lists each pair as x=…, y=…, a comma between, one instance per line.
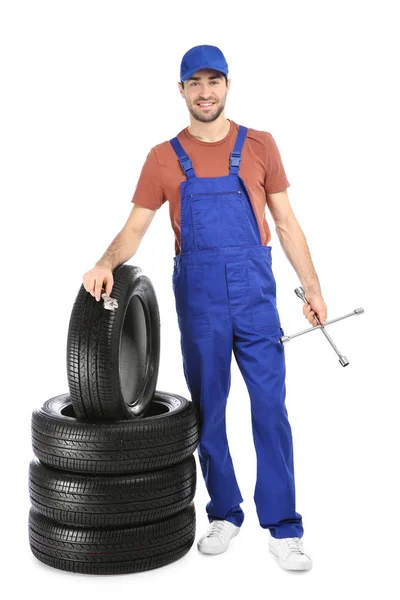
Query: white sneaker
x=290, y=553
x=217, y=537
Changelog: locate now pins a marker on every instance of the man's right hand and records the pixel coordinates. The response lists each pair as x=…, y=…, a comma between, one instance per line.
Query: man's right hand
x=315, y=305
x=97, y=278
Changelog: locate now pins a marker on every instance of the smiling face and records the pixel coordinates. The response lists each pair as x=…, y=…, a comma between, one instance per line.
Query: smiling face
x=205, y=86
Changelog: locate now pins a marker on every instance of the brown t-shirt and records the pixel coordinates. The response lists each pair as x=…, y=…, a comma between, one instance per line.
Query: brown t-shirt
x=261, y=169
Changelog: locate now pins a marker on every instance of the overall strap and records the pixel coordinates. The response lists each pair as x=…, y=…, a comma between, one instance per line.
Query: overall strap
x=236, y=155
x=234, y=159
x=185, y=161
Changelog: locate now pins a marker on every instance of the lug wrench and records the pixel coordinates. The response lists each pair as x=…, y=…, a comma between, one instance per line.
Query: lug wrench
x=286, y=338
x=342, y=359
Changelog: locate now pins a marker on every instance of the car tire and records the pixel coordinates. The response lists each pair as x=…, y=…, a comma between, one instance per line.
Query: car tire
x=113, y=356
x=111, y=500
x=112, y=551
x=168, y=434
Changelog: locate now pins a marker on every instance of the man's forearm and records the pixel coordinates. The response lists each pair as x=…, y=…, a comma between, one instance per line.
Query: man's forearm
x=296, y=249
x=121, y=249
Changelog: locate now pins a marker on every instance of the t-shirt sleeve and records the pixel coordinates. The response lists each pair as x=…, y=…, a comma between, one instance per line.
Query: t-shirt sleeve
x=275, y=176
x=149, y=190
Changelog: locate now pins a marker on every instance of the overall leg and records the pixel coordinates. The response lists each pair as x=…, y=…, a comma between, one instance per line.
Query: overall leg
x=207, y=354
x=261, y=360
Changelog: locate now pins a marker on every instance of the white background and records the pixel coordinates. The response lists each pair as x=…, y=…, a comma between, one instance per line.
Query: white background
x=87, y=89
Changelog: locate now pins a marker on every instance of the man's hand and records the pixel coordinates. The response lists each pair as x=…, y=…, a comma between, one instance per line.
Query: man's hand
x=94, y=280
x=315, y=304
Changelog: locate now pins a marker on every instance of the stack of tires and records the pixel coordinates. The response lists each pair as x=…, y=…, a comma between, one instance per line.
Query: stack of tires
x=113, y=478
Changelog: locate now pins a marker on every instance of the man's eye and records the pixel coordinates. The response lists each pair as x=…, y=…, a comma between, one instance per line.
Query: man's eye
x=195, y=82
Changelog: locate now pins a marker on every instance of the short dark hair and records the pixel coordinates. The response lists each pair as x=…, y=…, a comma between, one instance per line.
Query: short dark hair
x=221, y=74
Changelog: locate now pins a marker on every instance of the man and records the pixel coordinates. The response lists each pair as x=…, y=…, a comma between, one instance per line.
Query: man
x=218, y=177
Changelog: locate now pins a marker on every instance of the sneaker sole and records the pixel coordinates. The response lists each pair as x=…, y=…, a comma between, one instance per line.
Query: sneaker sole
x=291, y=567
x=216, y=550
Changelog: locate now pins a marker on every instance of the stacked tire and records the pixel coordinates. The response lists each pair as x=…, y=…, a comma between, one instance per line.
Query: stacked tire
x=113, y=477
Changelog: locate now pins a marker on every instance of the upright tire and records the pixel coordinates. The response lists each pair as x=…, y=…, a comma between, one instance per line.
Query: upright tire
x=113, y=356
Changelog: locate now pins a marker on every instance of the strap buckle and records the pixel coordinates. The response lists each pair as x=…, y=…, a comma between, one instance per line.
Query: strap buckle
x=186, y=163
x=235, y=159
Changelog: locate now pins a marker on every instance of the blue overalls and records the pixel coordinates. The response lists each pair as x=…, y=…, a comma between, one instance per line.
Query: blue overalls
x=225, y=296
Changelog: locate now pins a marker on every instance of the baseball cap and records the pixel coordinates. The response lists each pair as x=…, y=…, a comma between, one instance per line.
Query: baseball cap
x=203, y=57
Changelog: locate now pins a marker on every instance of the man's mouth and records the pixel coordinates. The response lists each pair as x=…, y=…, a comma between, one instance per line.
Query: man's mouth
x=205, y=105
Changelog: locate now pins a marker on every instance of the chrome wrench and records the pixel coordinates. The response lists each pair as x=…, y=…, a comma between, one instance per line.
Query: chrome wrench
x=342, y=359
x=286, y=338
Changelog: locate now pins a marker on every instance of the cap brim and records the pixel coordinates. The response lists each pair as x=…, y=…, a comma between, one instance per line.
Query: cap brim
x=199, y=68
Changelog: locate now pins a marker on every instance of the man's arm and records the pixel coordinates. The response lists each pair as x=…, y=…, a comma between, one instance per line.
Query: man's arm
x=293, y=241
x=124, y=246
x=140, y=218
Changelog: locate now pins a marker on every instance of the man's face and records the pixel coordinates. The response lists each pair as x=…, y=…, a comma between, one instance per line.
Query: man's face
x=204, y=86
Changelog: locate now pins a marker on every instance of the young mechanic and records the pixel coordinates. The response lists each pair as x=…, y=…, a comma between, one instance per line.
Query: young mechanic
x=218, y=177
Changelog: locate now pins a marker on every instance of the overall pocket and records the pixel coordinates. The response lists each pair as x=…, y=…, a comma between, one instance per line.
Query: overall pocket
x=219, y=219
x=191, y=302
x=262, y=292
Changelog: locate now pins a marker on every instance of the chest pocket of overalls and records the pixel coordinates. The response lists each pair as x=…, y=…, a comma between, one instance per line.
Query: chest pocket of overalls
x=219, y=219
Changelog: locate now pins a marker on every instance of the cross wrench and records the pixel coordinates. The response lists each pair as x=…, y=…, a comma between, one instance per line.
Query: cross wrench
x=342, y=359
x=286, y=338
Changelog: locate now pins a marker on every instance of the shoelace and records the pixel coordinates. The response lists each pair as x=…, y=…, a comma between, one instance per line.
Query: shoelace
x=216, y=528
x=292, y=545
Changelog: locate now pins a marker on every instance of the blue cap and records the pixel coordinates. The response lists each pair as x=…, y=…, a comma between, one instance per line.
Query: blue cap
x=203, y=57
